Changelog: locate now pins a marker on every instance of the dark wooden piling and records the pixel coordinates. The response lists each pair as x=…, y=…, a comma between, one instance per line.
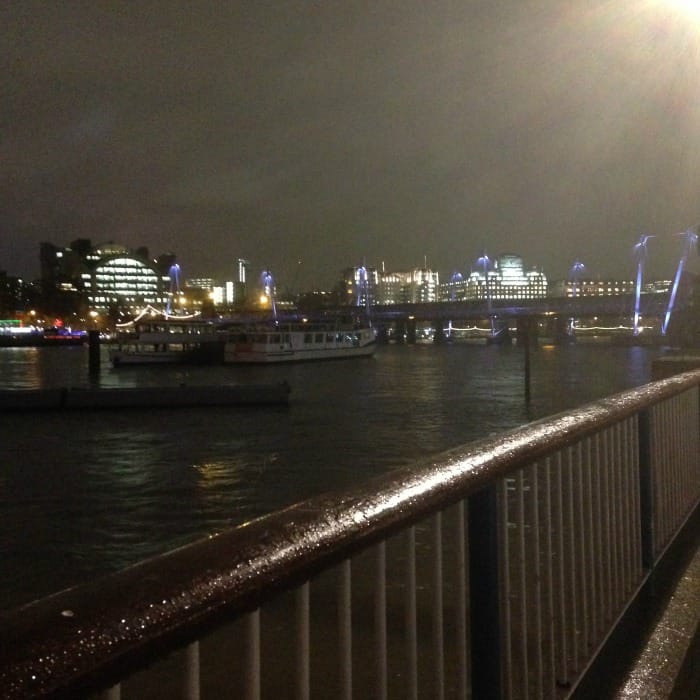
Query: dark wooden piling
x=94, y=350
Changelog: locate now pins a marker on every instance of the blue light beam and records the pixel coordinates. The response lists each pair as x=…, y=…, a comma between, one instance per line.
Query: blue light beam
x=640, y=253
x=691, y=239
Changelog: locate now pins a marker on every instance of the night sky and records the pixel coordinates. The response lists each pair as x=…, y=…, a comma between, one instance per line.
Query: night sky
x=312, y=136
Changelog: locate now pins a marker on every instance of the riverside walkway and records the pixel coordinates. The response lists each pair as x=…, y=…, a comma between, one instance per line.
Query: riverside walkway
x=556, y=560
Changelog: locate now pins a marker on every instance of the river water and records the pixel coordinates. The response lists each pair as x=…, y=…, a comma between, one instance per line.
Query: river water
x=86, y=493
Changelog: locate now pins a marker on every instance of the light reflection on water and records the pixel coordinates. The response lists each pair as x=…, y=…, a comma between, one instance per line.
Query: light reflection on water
x=86, y=493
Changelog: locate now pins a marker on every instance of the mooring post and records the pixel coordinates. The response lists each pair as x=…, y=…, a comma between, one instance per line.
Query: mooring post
x=526, y=335
x=527, y=365
x=94, y=350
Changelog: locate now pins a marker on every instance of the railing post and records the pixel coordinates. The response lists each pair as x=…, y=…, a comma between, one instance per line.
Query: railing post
x=484, y=594
x=646, y=488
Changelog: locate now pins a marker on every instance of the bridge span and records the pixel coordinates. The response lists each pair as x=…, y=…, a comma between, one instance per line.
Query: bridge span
x=652, y=305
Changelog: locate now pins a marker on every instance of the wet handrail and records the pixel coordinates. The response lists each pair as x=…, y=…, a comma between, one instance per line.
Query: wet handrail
x=90, y=636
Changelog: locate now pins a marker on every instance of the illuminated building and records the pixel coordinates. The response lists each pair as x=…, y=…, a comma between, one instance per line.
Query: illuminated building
x=240, y=283
x=118, y=277
x=228, y=293
x=592, y=288
x=109, y=276
x=505, y=278
x=206, y=284
x=418, y=286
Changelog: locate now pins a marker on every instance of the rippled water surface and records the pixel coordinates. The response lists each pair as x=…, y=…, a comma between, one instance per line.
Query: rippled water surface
x=84, y=493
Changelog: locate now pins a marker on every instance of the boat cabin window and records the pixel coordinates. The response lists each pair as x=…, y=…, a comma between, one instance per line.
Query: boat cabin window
x=308, y=338
x=319, y=338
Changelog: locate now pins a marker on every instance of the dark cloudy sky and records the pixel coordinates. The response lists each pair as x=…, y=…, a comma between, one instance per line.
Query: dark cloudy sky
x=310, y=136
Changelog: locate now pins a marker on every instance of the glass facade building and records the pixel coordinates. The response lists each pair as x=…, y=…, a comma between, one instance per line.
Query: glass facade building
x=109, y=276
x=124, y=281
x=418, y=286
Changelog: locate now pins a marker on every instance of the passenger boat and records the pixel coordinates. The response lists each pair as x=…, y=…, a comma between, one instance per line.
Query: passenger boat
x=298, y=341
x=168, y=340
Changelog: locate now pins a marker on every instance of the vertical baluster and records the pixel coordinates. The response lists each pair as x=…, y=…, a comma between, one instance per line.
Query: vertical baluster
x=591, y=613
x=668, y=447
x=571, y=560
x=673, y=465
x=438, y=642
x=536, y=563
x=607, y=534
x=580, y=532
x=675, y=480
x=624, y=506
x=192, y=671
x=683, y=428
x=672, y=445
x=622, y=534
x=645, y=485
x=252, y=665
x=488, y=592
x=462, y=595
x=682, y=431
x=345, y=629
x=550, y=672
x=693, y=485
x=636, y=515
x=381, y=661
x=522, y=578
x=660, y=483
x=657, y=466
x=678, y=477
x=666, y=442
x=684, y=486
x=599, y=555
x=562, y=616
x=630, y=442
x=505, y=595
x=676, y=465
x=648, y=483
x=303, y=642
x=616, y=499
x=411, y=624
x=665, y=474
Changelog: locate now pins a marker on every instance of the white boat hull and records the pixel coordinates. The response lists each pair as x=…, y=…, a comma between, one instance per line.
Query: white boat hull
x=290, y=355
x=297, y=344
x=119, y=358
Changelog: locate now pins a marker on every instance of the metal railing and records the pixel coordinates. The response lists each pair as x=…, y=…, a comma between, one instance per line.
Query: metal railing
x=495, y=570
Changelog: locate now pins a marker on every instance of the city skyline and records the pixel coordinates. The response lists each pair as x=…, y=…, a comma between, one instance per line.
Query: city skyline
x=310, y=138
x=478, y=266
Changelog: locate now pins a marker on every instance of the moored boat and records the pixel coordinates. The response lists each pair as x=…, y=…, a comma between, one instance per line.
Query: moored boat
x=298, y=342
x=169, y=340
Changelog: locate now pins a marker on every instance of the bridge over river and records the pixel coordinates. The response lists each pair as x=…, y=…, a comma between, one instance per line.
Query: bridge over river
x=559, y=318
x=622, y=305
